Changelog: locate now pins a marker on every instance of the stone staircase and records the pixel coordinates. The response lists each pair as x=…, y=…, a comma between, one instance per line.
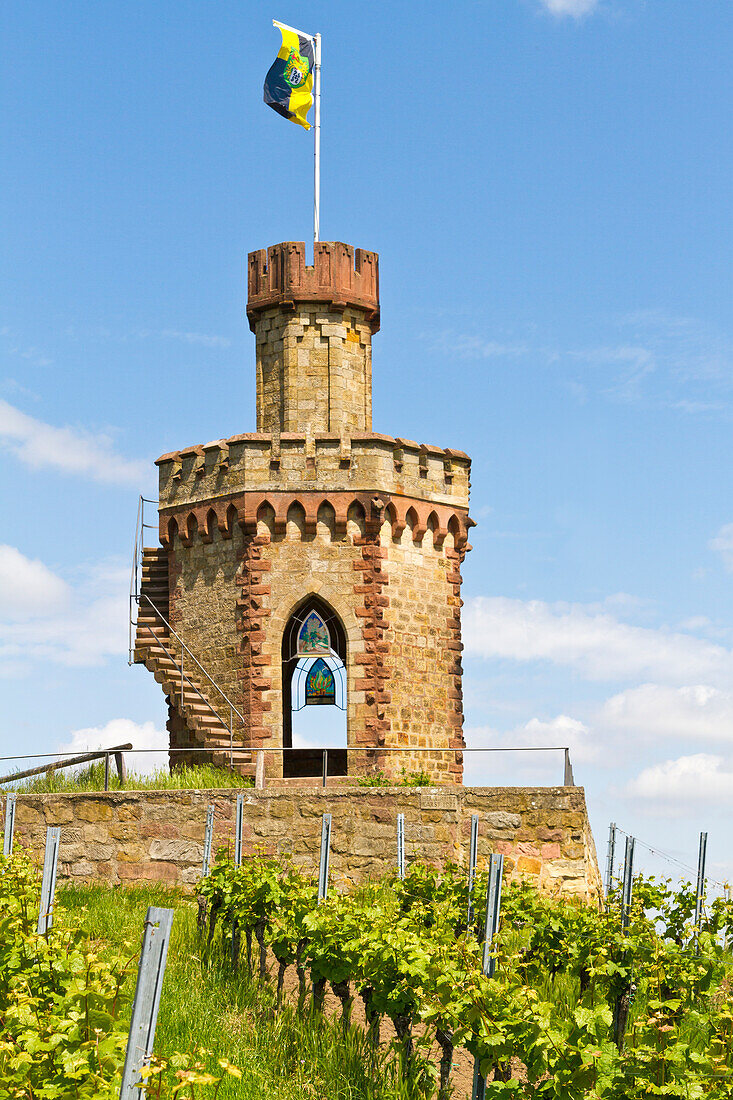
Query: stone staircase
x=160, y=652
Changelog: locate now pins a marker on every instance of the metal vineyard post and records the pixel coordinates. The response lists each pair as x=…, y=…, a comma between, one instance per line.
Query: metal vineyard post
x=156, y=937
x=48, y=882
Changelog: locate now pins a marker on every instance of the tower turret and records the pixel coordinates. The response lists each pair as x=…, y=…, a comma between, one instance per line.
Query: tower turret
x=312, y=561
x=313, y=329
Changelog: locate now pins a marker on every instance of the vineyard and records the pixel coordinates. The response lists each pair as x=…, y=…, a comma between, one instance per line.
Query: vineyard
x=578, y=1006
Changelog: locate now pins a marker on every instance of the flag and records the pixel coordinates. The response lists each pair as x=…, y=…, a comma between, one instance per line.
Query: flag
x=289, y=82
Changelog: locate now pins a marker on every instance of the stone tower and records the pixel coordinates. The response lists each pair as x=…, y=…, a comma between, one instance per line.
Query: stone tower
x=311, y=524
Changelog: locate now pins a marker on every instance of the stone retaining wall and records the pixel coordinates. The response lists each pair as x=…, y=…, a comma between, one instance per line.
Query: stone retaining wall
x=130, y=836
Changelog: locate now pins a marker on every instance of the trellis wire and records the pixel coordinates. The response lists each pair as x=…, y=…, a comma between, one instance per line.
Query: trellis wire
x=48, y=882
x=156, y=937
x=9, y=825
x=325, y=857
x=401, y=845
x=239, y=822
x=208, y=838
x=655, y=851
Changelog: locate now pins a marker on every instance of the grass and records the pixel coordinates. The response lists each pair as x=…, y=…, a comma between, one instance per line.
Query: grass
x=198, y=777
x=405, y=779
x=282, y=1056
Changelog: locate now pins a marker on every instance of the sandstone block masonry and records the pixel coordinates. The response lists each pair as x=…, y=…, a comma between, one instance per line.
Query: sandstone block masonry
x=313, y=327
x=314, y=509
x=133, y=836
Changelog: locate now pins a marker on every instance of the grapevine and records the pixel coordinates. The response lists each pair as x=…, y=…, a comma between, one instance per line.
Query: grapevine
x=543, y=1026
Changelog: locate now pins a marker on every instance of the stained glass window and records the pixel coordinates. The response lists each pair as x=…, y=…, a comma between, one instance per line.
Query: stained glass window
x=320, y=687
x=313, y=636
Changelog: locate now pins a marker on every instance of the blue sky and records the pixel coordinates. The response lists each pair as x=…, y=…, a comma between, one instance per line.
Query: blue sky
x=548, y=184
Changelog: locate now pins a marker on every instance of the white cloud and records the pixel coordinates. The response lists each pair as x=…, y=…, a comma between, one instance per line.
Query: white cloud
x=687, y=780
x=562, y=730
x=27, y=587
x=575, y=8
x=12, y=385
x=70, y=450
x=202, y=338
x=80, y=625
x=723, y=544
x=593, y=642
x=13, y=346
x=122, y=731
x=659, y=712
x=631, y=365
x=647, y=358
x=461, y=345
x=506, y=767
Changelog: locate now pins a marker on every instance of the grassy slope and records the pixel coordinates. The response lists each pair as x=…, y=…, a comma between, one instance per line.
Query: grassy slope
x=202, y=777
x=280, y=1055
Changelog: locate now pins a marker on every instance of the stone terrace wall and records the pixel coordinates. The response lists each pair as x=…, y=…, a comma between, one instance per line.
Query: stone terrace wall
x=130, y=836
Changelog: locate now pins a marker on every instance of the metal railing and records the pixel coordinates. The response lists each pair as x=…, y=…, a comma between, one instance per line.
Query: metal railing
x=136, y=596
x=260, y=752
x=83, y=758
x=186, y=679
x=137, y=556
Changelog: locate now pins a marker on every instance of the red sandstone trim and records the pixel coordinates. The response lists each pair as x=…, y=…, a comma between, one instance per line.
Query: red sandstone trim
x=455, y=646
x=243, y=509
x=340, y=276
x=252, y=613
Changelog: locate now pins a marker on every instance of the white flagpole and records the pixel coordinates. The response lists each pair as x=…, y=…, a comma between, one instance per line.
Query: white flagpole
x=317, y=142
x=316, y=40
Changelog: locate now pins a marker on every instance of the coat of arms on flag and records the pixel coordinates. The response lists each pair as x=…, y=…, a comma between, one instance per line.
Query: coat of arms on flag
x=296, y=69
x=289, y=82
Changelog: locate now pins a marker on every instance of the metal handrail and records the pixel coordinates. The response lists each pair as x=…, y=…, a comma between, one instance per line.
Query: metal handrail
x=144, y=596
x=319, y=748
x=72, y=761
x=137, y=550
x=169, y=653
x=137, y=595
x=260, y=750
x=134, y=575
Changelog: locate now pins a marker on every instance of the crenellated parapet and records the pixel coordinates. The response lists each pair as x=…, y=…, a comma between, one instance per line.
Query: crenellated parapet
x=263, y=462
x=313, y=327
x=341, y=276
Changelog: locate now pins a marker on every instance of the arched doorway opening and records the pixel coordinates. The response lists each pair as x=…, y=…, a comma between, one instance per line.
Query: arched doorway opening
x=314, y=676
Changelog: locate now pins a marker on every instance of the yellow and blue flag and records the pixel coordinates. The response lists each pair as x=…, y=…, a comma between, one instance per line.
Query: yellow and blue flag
x=289, y=82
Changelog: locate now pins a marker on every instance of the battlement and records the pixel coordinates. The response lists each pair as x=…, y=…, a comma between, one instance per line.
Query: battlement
x=341, y=276
x=265, y=462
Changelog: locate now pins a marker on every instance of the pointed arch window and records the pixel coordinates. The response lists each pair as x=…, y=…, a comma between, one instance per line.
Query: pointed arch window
x=320, y=685
x=314, y=639
x=314, y=675
x=314, y=659
x=318, y=681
